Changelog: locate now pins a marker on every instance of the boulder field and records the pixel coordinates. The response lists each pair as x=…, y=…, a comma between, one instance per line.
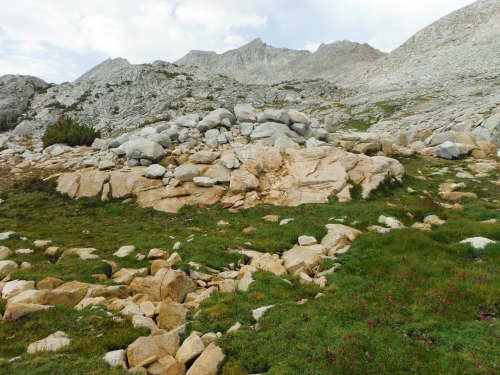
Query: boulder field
x=264, y=175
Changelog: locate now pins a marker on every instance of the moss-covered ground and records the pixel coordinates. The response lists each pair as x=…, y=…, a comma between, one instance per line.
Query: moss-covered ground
x=404, y=302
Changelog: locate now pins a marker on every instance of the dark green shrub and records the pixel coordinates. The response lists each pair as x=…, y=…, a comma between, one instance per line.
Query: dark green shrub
x=69, y=131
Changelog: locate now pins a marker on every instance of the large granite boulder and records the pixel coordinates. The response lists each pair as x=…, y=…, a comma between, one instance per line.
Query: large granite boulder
x=143, y=149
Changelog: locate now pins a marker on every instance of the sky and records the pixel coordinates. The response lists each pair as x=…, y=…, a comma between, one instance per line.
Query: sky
x=59, y=40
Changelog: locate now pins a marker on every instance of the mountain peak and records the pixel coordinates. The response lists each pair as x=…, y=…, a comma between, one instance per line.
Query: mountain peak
x=107, y=66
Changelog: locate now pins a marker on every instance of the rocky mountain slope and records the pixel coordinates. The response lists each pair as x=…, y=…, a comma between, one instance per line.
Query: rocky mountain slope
x=465, y=43
x=257, y=62
x=443, y=79
x=462, y=44
x=116, y=96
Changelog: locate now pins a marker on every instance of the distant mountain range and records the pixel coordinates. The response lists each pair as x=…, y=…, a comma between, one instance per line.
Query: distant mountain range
x=453, y=57
x=464, y=43
x=257, y=62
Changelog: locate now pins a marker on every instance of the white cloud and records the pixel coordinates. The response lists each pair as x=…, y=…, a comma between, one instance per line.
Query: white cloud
x=311, y=46
x=234, y=41
x=52, y=38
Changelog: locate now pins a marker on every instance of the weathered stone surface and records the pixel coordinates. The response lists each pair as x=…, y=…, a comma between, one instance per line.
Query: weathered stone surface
x=172, y=315
x=265, y=261
x=4, y=252
x=299, y=117
x=258, y=313
x=171, y=283
x=162, y=139
x=307, y=241
x=15, y=287
x=303, y=256
x=204, y=181
x=105, y=165
x=157, y=254
x=125, y=275
x=143, y=149
x=116, y=358
x=241, y=180
x=390, y=222
x=186, y=173
x=144, y=321
x=243, y=112
x=478, y=242
x=277, y=115
x=167, y=366
x=245, y=281
x=6, y=267
x=49, y=283
x=112, y=291
x=283, y=143
x=448, y=150
x=14, y=311
x=203, y=157
x=124, y=184
x=83, y=253
x=188, y=121
x=154, y=171
x=124, y=251
x=147, y=347
x=191, y=348
x=52, y=343
x=207, y=362
x=302, y=176
x=91, y=301
x=48, y=297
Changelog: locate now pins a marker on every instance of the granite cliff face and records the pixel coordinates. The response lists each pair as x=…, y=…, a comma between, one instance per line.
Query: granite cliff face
x=15, y=94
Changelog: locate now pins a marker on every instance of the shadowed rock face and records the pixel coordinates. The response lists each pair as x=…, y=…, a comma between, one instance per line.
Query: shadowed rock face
x=15, y=94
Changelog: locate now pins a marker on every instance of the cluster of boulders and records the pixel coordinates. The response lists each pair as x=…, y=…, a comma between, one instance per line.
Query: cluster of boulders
x=161, y=299
x=244, y=159
x=466, y=134
x=259, y=156
x=240, y=177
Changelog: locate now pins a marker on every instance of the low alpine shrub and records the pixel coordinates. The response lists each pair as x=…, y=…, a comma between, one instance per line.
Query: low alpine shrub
x=69, y=131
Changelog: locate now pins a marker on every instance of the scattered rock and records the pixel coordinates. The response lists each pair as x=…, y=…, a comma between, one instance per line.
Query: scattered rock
x=207, y=362
x=171, y=315
x=258, y=313
x=307, y=241
x=52, y=343
x=191, y=348
x=124, y=251
x=154, y=171
x=146, y=347
x=171, y=283
x=116, y=358
x=390, y=222
x=448, y=150
x=478, y=242
x=6, y=267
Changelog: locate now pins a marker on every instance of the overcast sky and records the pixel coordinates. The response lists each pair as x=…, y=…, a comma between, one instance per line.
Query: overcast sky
x=59, y=40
